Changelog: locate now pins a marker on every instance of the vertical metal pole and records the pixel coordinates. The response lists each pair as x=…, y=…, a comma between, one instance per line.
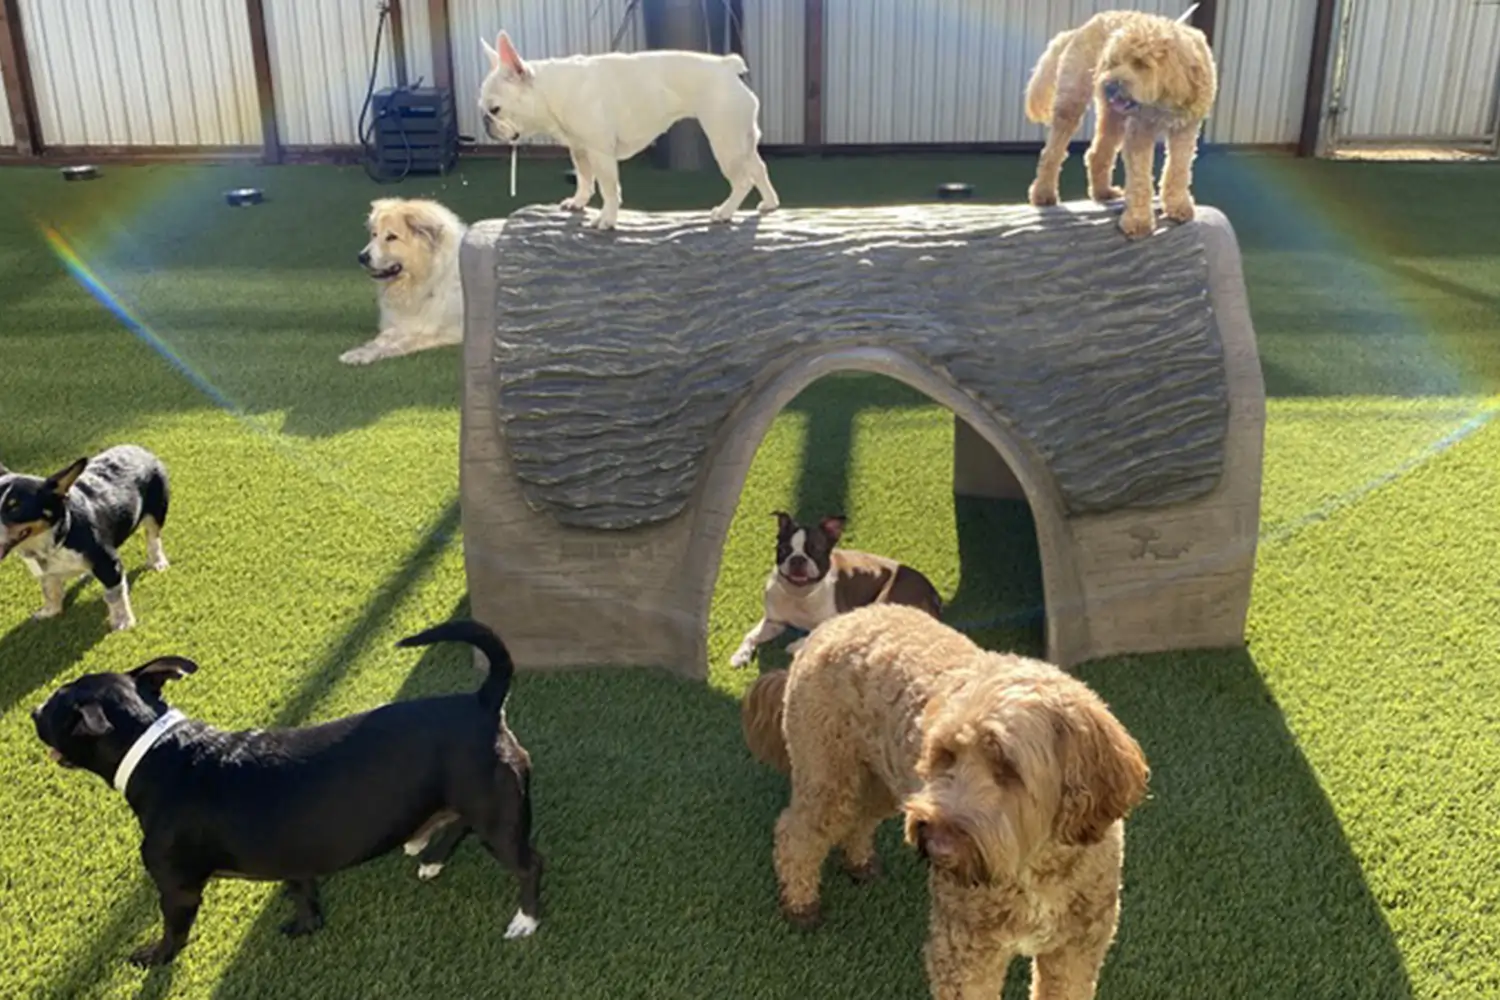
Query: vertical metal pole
x=680, y=24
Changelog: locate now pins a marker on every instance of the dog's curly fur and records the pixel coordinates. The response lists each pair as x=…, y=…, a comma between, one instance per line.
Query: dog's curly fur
x=413, y=257
x=1162, y=76
x=760, y=720
x=1013, y=776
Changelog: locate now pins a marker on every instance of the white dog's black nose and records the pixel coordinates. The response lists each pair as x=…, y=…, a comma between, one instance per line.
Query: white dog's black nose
x=364, y=256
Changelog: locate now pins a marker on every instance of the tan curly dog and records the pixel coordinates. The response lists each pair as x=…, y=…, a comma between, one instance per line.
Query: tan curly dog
x=1148, y=76
x=1013, y=776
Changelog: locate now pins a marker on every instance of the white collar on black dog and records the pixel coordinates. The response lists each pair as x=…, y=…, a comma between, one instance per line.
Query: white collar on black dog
x=143, y=745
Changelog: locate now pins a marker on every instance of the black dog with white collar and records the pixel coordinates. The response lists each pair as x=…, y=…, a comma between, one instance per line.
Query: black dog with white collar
x=74, y=522
x=294, y=805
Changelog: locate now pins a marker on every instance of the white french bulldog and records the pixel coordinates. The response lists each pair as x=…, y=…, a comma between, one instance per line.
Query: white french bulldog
x=607, y=108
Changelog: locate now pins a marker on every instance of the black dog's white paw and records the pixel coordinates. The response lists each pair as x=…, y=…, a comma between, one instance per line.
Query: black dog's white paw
x=521, y=925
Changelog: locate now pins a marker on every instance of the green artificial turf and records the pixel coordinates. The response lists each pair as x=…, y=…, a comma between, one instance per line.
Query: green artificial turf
x=1324, y=822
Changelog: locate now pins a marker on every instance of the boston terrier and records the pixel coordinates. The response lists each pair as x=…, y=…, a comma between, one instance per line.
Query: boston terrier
x=813, y=581
x=293, y=805
x=74, y=522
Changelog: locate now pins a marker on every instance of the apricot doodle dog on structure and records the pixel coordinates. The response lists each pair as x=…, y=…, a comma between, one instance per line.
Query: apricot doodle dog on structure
x=1147, y=76
x=1014, y=778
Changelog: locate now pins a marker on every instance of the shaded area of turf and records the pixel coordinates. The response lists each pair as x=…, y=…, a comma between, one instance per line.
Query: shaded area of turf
x=1323, y=821
x=1238, y=852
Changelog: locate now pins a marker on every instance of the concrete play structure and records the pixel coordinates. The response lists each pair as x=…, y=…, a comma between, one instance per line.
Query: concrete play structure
x=617, y=385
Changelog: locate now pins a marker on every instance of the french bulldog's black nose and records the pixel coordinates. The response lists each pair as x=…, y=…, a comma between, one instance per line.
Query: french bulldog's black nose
x=364, y=256
x=798, y=562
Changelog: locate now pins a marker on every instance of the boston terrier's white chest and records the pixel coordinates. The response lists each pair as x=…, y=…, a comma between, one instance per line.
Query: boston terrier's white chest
x=805, y=610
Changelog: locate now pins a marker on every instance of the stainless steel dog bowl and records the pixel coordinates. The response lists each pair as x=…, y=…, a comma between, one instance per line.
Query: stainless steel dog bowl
x=955, y=191
x=244, y=196
x=84, y=172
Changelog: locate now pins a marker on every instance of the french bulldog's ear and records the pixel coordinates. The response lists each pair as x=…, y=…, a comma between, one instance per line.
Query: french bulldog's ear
x=833, y=526
x=92, y=721
x=489, y=50
x=784, y=521
x=509, y=59
x=61, y=482
x=154, y=674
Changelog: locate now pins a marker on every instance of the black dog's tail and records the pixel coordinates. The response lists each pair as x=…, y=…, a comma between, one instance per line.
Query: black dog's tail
x=497, y=684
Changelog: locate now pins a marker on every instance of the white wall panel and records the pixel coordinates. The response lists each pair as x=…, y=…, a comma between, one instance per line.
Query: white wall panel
x=142, y=72
x=1422, y=71
x=540, y=29
x=776, y=53
x=321, y=53
x=919, y=71
x=1262, y=48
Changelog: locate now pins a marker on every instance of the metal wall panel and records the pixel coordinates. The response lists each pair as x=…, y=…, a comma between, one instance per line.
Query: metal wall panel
x=7, y=130
x=920, y=71
x=1263, y=48
x=142, y=72
x=321, y=53
x=1419, y=71
x=540, y=29
x=418, y=29
x=776, y=51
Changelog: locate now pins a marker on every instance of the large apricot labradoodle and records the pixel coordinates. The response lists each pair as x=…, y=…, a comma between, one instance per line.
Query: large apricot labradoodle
x=1147, y=76
x=1013, y=776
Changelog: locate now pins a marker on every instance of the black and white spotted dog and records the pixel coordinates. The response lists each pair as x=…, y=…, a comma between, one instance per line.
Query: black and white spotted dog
x=73, y=522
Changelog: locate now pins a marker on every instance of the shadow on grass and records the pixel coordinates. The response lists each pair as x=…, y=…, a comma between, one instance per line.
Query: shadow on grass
x=830, y=406
x=656, y=825
x=34, y=652
x=375, y=616
x=999, y=602
x=1238, y=879
x=115, y=940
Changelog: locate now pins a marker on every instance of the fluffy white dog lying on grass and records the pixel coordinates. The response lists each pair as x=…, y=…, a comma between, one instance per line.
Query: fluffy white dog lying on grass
x=413, y=258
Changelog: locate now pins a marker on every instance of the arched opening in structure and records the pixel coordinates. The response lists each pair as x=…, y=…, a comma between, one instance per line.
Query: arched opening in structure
x=923, y=475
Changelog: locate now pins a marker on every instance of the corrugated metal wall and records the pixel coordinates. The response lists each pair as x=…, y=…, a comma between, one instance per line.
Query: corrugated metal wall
x=917, y=71
x=179, y=72
x=142, y=72
x=775, y=50
x=1263, y=48
x=321, y=52
x=1420, y=71
x=540, y=29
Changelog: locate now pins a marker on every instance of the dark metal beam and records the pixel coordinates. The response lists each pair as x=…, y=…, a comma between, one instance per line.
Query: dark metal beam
x=265, y=84
x=1205, y=17
x=398, y=42
x=1317, y=78
x=20, y=92
x=442, y=47
x=813, y=60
